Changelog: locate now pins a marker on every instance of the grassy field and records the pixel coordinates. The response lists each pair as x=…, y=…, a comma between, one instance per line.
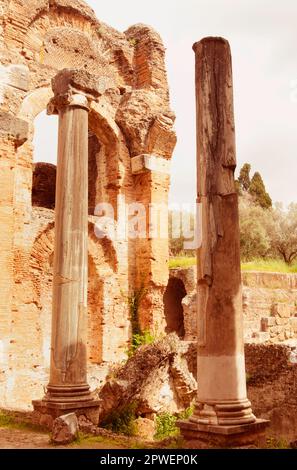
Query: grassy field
x=272, y=265
x=182, y=262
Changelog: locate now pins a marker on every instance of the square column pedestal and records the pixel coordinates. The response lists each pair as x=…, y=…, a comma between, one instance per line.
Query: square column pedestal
x=45, y=412
x=199, y=436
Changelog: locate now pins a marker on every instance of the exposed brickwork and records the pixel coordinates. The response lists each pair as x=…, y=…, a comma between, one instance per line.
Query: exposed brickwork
x=133, y=116
x=269, y=306
x=272, y=387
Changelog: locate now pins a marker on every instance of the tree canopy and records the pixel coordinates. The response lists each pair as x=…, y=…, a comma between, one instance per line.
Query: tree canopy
x=258, y=192
x=255, y=187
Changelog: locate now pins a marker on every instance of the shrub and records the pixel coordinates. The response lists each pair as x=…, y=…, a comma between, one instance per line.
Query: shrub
x=122, y=421
x=166, y=423
x=134, y=301
x=140, y=339
x=166, y=426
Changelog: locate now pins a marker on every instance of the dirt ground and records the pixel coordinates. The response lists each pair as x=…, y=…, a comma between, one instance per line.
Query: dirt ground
x=27, y=439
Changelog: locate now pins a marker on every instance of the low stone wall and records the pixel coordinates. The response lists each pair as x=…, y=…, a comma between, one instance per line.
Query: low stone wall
x=272, y=387
x=269, y=306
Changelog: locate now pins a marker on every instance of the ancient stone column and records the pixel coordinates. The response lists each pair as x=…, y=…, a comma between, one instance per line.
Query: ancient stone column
x=222, y=395
x=68, y=387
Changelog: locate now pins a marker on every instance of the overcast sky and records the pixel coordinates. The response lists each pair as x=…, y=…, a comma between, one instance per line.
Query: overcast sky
x=263, y=39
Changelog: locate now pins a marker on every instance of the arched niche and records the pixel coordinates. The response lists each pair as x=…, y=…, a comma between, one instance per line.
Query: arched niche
x=109, y=158
x=173, y=308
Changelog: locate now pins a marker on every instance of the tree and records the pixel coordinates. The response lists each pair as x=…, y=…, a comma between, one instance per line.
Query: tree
x=178, y=224
x=244, y=177
x=258, y=192
x=283, y=232
x=254, y=229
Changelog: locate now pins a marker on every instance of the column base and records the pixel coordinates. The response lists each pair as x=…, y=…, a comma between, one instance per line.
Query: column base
x=224, y=412
x=68, y=393
x=199, y=435
x=47, y=410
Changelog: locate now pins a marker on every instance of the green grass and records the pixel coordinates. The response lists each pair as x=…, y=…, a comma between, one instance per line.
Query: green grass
x=122, y=421
x=7, y=421
x=269, y=265
x=166, y=423
x=182, y=262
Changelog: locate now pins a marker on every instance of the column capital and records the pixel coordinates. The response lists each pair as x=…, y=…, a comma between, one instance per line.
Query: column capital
x=74, y=87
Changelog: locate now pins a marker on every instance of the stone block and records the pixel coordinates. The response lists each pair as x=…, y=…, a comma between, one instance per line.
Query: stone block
x=146, y=162
x=16, y=76
x=288, y=334
x=264, y=324
x=214, y=436
x=281, y=336
x=282, y=310
x=13, y=127
x=279, y=321
x=65, y=429
x=293, y=323
x=43, y=409
x=145, y=428
x=261, y=336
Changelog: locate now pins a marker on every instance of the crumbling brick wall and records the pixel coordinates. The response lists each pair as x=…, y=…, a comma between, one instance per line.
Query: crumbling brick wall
x=269, y=305
x=272, y=387
x=132, y=119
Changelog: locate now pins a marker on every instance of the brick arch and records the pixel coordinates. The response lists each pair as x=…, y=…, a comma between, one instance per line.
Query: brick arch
x=41, y=26
x=34, y=103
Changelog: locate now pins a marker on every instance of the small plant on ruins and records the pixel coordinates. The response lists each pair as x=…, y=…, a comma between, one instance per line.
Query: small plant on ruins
x=122, y=421
x=5, y=420
x=187, y=413
x=134, y=301
x=166, y=426
x=140, y=339
x=166, y=423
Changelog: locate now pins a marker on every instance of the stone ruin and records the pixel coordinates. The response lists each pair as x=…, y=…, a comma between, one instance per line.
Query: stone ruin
x=131, y=140
x=111, y=93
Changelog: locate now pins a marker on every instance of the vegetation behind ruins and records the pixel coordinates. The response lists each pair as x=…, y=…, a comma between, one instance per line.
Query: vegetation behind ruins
x=268, y=233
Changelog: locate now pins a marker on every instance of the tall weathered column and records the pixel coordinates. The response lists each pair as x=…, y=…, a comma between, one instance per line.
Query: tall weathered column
x=68, y=387
x=222, y=404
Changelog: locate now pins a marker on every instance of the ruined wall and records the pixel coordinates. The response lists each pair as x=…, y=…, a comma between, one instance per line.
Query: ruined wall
x=269, y=305
x=272, y=387
x=129, y=126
